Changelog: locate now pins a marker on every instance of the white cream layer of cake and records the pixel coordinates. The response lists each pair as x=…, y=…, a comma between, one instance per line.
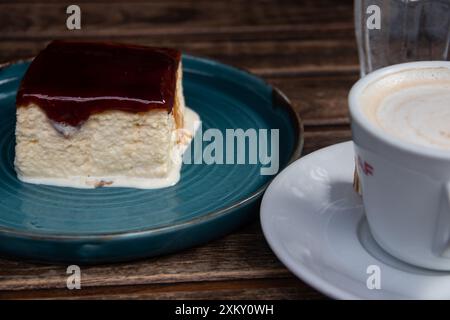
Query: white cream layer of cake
x=141, y=150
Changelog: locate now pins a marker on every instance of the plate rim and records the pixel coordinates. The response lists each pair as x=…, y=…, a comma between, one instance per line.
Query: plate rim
x=284, y=102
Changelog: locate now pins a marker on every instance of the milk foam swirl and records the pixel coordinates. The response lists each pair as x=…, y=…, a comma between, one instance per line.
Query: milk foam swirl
x=413, y=105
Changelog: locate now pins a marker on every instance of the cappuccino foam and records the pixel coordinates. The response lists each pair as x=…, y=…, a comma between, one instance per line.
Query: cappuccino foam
x=413, y=105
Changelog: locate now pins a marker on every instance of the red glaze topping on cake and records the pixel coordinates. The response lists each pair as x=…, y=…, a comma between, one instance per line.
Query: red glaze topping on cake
x=72, y=80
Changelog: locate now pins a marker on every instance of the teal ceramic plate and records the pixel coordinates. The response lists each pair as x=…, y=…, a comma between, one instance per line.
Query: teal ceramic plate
x=57, y=224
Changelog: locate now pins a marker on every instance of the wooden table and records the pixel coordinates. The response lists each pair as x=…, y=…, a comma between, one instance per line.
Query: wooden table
x=304, y=47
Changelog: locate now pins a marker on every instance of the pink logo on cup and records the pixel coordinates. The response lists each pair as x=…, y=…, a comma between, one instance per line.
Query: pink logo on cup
x=365, y=167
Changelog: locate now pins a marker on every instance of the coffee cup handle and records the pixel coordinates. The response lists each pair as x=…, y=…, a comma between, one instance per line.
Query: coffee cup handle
x=442, y=234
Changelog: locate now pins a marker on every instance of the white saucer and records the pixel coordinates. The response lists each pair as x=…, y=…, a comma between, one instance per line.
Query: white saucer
x=315, y=224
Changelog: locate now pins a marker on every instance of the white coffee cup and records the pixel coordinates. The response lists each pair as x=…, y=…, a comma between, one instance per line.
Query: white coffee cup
x=405, y=186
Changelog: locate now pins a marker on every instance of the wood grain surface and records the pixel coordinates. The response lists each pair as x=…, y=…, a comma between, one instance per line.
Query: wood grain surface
x=304, y=47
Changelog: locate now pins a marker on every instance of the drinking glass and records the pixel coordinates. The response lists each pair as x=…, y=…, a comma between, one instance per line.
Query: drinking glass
x=395, y=31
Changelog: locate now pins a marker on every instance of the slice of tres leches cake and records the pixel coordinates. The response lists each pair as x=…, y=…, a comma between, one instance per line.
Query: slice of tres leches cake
x=102, y=114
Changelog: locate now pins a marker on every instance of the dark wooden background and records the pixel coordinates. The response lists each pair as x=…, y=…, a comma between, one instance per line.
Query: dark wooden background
x=304, y=47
